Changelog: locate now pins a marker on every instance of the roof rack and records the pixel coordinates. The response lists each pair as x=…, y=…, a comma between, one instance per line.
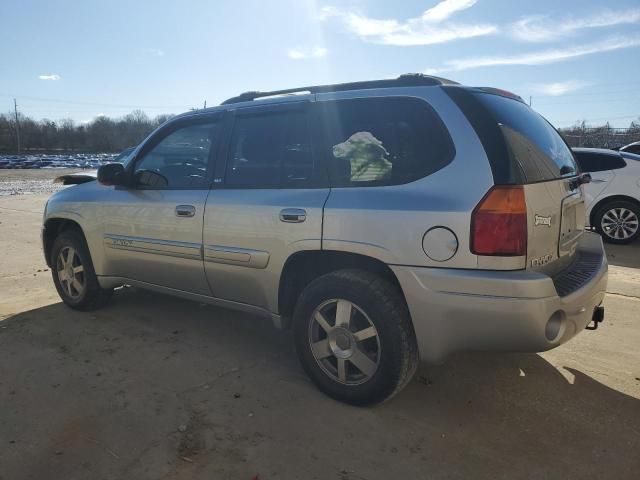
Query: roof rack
x=406, y=80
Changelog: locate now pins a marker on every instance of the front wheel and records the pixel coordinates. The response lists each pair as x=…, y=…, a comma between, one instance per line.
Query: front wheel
x=354, y=337
x=618, y=222
x=73, y=273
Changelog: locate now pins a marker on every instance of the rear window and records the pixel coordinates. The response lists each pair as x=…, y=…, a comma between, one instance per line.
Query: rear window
x=383, y=141
x=521, y=145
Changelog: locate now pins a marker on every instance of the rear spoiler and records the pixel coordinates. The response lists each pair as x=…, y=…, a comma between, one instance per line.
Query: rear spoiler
x=502, y=93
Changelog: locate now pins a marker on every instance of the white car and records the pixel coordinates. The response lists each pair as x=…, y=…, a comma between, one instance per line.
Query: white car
x=631, y=148
x=613, y=195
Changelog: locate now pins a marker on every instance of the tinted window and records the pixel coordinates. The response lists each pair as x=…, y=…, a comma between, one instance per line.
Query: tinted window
x=598, y=162
x=181, y=159
x=633, y=148
x=270, y=150
x=383, y=141
x=521, y=145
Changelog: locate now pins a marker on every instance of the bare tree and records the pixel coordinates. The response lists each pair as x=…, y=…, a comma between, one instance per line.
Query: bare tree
x=605, y=136
x=102, y=134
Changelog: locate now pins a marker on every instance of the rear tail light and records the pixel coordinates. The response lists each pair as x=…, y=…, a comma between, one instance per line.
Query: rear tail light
x=499, y=223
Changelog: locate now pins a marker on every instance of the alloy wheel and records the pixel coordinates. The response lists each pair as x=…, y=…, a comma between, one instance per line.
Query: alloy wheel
x=619, y=223
x=344, y=342
x=71, y=272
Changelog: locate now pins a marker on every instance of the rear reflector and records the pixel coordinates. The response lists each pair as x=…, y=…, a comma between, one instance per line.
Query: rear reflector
x=499, y=223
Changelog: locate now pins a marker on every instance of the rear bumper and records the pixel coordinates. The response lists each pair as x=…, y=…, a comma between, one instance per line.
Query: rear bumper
x=519, y=311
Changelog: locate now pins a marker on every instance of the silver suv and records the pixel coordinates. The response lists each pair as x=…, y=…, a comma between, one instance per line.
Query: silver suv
x=387, y=222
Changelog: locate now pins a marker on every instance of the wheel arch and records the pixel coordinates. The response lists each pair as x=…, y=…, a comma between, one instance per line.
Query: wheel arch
x=301, y=268
x=53, y=227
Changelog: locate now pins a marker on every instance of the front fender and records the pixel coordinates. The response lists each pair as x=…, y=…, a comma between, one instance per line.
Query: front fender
x=71, y=205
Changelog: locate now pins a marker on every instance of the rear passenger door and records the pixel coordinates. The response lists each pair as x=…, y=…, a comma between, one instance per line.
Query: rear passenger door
x=266, y=203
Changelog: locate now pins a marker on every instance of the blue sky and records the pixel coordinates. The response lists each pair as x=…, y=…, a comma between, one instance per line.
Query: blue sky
x=82, y=58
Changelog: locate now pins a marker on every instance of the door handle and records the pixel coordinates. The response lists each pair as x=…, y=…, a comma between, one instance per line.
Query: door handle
x=597, y=180
x=293, y=215
x=185, y=211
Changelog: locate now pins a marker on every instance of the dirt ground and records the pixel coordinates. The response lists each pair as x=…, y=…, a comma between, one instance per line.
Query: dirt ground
x=154, y=387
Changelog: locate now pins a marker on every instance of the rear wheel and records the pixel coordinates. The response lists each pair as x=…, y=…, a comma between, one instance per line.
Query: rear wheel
x=354, y=337
x=618, y=221
x=73, y=273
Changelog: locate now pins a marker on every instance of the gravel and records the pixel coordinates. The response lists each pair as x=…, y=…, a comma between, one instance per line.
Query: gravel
x=21, y=182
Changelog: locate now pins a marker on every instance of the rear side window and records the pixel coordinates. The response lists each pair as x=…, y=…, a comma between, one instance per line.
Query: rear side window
x=521, y=145
x=633, y=148
x=270, y=150
x=598, y=162
x=383, y=141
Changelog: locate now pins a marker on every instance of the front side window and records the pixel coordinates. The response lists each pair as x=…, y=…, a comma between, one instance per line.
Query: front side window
x=383, y=141
x=179, y=160
x=270, y=150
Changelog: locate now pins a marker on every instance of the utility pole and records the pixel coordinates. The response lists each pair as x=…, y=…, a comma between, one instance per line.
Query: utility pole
x=15, y=110
x=205, y=104
x=529, y=100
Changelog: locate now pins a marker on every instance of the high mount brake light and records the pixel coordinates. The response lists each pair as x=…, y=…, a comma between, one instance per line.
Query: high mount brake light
x=499, y=223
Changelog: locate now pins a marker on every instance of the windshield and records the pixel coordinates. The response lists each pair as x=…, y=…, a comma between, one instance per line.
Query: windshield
x=125, y=155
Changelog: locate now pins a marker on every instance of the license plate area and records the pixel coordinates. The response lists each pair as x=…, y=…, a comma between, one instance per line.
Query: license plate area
x=571, y=224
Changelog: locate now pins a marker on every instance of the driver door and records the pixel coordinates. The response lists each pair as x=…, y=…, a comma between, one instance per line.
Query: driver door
x=153, y=228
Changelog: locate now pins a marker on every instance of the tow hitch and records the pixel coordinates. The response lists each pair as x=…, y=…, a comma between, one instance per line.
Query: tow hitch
x=598, y=317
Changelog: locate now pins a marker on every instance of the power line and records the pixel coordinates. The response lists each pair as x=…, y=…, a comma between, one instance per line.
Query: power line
x=587, y=120
x=74, y=102
x=590, y=93
x=602, y=93
x=83, y=108
x=587, y=102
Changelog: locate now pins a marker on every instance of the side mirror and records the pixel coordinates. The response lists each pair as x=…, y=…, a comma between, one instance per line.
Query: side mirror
x=112, y=174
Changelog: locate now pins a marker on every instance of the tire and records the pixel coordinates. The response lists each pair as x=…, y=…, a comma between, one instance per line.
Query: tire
x=618, y=221
x=77, y=285
x=379, y=327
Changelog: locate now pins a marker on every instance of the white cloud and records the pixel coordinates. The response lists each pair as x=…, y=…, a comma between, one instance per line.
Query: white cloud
x=427, y=29
x=541, y=28
x=156, y=52
x=97, y=116
x=304, y=54
x=446, y=8
x=50, y=77
x=443, y=34
x=555, y=89
x=541, y=57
